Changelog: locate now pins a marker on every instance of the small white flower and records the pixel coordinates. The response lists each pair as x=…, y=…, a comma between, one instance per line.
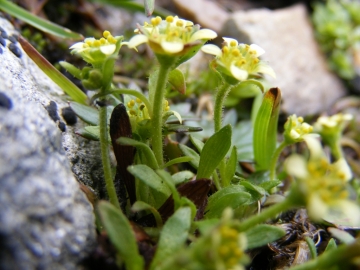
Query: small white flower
x=238, y=60
x=170, y=36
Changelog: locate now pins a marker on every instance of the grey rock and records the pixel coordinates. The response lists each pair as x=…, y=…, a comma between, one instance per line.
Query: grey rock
x=46, y=221
x=286, y=35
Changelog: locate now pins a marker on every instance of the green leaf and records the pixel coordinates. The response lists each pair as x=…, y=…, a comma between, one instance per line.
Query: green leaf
x=121, y=235
x=331, y=245
x=37, y=22
x=187, y=151
x=268, y=185
x=141, y=206
x=64, y=83
x=231, y=196
x=149, y=7
x=182, y=176
x=134, y=6
x=177, y=80
x=178, y=128
x=159, y=189
x=265, y=129
x=214, y=151
x=197, y=143
x=263, y=234
x=341, y=235
x=173, y=236
x=230, y=167
x=144, y=148
x=88, y=135
x=71, y=69
x=178, y=160
x=312, y=247
x=86, y=113
x=255, y=191
x=243, y=140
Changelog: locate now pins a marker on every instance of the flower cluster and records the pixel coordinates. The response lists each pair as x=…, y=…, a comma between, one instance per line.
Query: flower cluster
x=238, y=60
x=95, y=51
x=296, y=129
x=170, y=36
x=323, y=184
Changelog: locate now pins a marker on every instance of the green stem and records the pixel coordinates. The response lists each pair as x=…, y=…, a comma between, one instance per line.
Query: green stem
x=275, y=159
x=105, y=157
x=339, y=256
x=219, y=102
x=157, y=138
x=267, y=214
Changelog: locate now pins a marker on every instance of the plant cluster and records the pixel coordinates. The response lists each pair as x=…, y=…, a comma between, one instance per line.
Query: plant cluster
x=194, y=207
x=337, y=27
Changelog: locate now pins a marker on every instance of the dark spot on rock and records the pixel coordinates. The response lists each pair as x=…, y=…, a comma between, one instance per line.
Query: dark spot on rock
x=5, y=101
x=52, y=111
x=2, y=41
x=69, y=116
x=1, y=50
x=62, y=126
x=4, y=34
x=15, y=49
x=13, y=38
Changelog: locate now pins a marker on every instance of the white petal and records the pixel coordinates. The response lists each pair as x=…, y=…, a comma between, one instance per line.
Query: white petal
x=342, y=169
x=78, y=45
x=316, y=207
x=239, y=73
x=345, y=213
x=203, y=34
x=108, y=49
x=259, y=51
x=296, y=165
x=137, y=40
x=172, y=47
x=211, y=49
x=266, y=69
x=314, y=146
x=229, y=40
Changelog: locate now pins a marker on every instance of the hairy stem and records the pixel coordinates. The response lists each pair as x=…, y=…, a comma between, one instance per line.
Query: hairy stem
x=157, y=138
x=109, y=183
x=219, y=102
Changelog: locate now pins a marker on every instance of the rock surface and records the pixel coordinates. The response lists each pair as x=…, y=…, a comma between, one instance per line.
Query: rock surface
x=286, y=35
x=46, y=222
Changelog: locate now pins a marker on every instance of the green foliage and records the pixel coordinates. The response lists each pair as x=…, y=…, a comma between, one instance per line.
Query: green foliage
x=336, y=24
x=121, y=235
x=263, y=234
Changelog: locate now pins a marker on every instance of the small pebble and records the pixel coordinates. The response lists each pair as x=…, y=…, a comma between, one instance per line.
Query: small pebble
x=15, y=50
x=2, y=41
x=52, y=111
x=69, y=116
x=13, y=39
x=5, y=101
x=4, y=34
x=62, y=126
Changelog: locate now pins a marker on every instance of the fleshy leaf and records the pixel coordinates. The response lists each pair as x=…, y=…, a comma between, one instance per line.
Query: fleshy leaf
x=182, y=176
x=121, y=235
x=263, y=234
x=265, y=129
x=231, y=196
x=177, y=81
x=187, y=151
x=230, y=167
x=173, y=236
x=214, y=151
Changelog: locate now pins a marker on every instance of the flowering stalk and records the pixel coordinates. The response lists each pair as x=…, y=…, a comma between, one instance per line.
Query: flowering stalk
x=157, y=138
x=219, y=102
